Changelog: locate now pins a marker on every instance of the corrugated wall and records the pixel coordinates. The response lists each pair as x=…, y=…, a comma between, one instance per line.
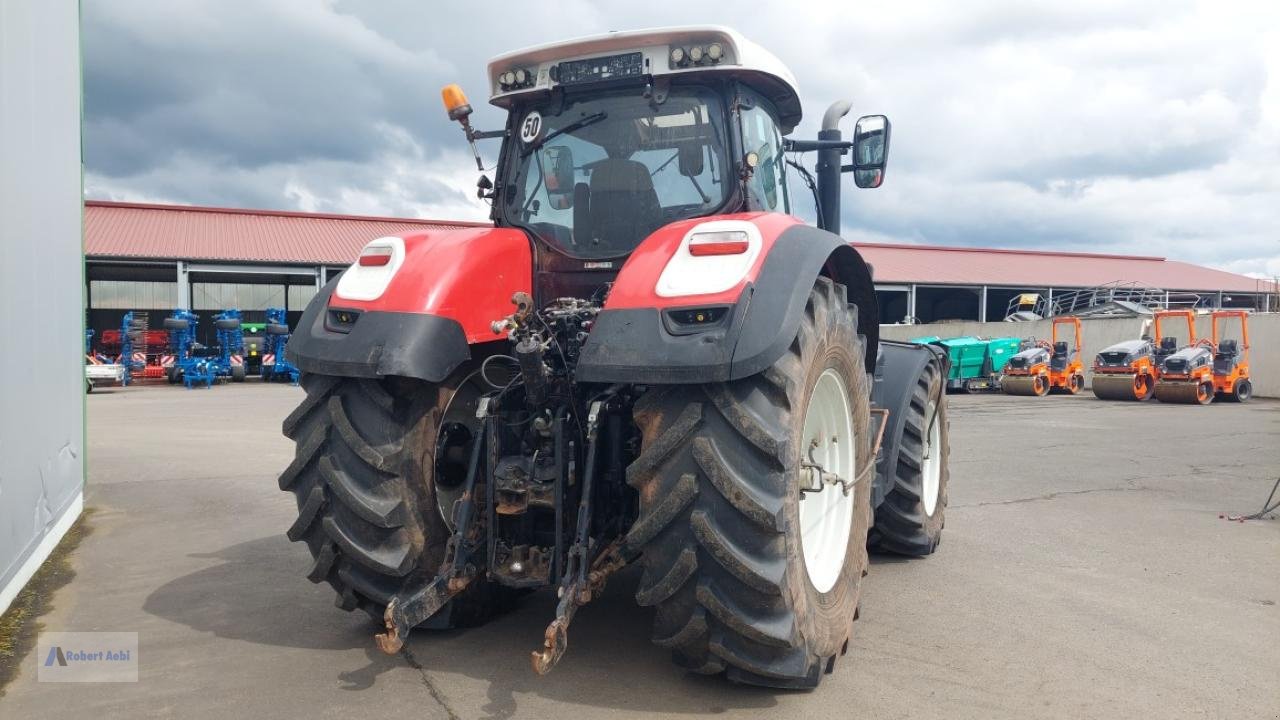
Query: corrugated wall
x=41, y=286
x=1264, y=336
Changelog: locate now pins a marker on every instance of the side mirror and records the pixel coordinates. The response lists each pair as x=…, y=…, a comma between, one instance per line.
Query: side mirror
x=558, y=166
x=691, y=160
x=870, y=150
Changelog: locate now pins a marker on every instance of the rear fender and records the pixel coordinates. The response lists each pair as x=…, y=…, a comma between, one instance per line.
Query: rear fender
x=635, y=339
x=898, y=367
x=443, y=292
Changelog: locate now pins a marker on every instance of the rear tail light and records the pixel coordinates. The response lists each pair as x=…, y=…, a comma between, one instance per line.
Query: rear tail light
x=376, y=255
x=732, y=242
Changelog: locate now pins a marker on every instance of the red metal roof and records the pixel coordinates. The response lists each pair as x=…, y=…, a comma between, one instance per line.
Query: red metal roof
x=180, y=232
x=931, y=264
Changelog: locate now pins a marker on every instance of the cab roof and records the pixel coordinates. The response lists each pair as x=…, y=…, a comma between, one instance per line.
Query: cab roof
x=641, y=53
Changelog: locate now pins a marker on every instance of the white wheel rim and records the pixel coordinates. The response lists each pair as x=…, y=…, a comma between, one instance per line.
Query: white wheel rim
x=826, y=516
x=931, y=468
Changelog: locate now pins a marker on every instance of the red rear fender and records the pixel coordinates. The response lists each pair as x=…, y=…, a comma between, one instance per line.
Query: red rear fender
x=467, y=275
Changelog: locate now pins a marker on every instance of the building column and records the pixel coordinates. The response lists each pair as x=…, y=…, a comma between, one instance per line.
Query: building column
x=319, y=278
x=1219, y=299
x=911, y=303
x=184, y=286
x=1048, y=303
x=982, y=305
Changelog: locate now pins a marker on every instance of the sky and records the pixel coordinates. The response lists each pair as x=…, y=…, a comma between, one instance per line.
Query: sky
x=1148, y=128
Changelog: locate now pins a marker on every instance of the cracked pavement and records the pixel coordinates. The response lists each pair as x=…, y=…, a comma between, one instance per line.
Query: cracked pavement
x=1084, y=573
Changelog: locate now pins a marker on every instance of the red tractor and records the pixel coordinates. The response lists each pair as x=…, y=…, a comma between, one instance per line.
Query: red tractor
x=645, y=358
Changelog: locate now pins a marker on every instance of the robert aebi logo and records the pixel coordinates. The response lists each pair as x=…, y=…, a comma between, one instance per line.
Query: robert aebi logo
x=62, y=658
x=87, y=657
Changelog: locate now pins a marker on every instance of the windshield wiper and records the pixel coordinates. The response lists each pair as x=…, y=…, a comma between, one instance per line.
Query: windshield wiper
x=576, y=125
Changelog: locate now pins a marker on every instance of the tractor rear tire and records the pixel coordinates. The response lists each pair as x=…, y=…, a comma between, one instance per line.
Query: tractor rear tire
x=719, y=481
x=363, y=475
x=277, y=329
x=910, y=520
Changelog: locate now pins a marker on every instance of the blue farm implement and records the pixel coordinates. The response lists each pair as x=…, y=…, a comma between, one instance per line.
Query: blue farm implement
x=274, y=364
x=230, y=358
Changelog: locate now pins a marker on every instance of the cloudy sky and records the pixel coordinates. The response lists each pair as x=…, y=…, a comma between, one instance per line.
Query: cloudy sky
x=1143, y=127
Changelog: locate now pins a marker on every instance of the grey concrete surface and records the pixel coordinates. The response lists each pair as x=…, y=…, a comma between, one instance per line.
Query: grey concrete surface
x=1084, y=573
x=1099, y=333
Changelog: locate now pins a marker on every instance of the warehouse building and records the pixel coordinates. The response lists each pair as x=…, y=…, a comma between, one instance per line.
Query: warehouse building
x=156, y=258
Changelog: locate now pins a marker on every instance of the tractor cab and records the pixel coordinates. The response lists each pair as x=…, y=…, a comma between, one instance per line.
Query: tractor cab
x=609, y=139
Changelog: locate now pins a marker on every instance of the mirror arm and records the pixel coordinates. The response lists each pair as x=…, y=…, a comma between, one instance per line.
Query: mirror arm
x=790, y=145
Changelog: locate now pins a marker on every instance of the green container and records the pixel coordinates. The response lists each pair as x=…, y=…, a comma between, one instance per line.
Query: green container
x=974, y=358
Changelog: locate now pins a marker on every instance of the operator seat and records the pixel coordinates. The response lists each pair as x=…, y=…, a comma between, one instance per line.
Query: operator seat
x=1224, y=361
x=624, y=206
x=1060, y=355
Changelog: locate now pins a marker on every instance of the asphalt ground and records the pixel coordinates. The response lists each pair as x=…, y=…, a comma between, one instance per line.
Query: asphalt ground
x=1085, y=572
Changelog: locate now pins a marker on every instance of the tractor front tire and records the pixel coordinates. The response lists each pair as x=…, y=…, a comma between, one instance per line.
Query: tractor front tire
x=719, y=480
x=910, y=520
x=363, y=475
x=238, y=373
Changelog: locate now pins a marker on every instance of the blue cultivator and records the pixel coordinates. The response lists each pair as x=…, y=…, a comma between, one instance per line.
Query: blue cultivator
x=277, y=331
x=230, y=360
x=188, y=367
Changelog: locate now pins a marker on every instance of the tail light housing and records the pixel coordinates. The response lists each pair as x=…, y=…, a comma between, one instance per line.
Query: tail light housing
x=713, y=257
x=372, y=271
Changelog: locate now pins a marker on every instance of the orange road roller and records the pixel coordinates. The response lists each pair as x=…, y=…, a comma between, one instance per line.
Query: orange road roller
x=1130, y=370
x=1209, y=368
x=1046, y=367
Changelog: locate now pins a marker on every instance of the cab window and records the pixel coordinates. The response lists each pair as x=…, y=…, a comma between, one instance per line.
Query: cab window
x=766, y=190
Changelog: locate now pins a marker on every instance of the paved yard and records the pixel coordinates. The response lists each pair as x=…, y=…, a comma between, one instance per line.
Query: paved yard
x=1084, y=573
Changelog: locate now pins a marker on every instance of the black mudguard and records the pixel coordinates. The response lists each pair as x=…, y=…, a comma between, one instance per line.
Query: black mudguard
x=377, y=344
x=638, y=346
x=898, y=366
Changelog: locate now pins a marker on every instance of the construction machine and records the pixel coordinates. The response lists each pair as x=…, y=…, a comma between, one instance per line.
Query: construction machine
x=1231, y=379
x=645, y=358
x=1044, y=367
x=1130, y=370
x=1209, y=367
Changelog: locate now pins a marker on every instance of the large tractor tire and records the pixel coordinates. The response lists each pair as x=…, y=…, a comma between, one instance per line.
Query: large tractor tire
x=910, y=520
x=747, y=577
x=364, y=477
